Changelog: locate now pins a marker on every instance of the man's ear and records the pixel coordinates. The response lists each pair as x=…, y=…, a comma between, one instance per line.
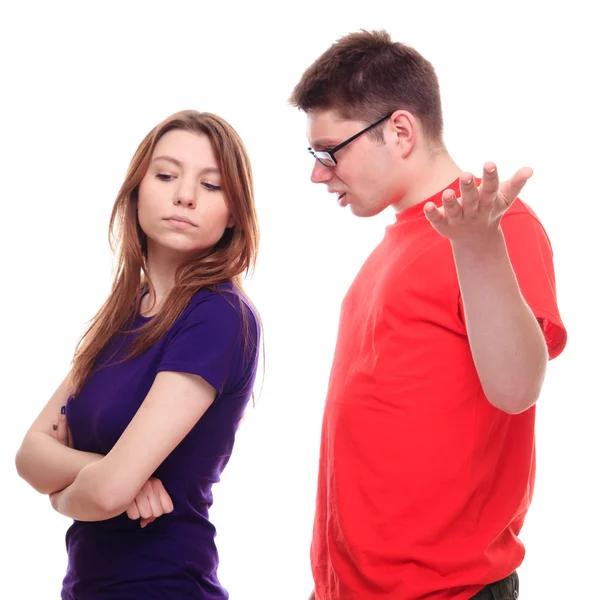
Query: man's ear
x=405, y=131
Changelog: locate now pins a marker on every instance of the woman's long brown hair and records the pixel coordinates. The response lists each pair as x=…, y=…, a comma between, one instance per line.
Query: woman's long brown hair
x=233, y=256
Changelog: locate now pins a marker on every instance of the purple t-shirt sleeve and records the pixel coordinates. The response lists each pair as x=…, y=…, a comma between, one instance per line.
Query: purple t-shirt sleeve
x=209, y=342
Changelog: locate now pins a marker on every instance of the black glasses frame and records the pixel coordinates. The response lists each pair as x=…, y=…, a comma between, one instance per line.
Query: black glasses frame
x=327, y=158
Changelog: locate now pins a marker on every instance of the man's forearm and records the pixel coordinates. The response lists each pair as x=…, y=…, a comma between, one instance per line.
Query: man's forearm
x=506, y=340
x=49, y=466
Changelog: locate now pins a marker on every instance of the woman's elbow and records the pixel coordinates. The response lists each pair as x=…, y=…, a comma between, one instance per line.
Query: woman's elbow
x=23, y=465
x=111, y=500
x=20, y=463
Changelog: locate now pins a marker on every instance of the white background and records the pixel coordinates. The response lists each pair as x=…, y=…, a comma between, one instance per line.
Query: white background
x=84, y=82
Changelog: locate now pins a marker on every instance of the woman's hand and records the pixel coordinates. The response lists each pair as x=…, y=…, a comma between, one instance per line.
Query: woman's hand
x=151, y=502
x=60, y=429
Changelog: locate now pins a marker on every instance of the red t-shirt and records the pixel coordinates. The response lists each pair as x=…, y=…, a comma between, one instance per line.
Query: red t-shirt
x=423, y=484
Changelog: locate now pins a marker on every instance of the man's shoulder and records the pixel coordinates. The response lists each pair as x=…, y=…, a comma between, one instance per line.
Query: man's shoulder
x=520, y=208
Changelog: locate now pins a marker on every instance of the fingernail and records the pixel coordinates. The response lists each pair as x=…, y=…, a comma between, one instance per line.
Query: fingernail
x=490, y=169
x=469, y=181
x=54, y=426
x=63, y=409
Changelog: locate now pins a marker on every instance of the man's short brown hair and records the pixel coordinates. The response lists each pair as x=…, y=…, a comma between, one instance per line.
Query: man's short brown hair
x=365, y=75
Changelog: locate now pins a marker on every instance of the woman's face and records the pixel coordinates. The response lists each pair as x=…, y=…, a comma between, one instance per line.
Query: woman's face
x=181, y=207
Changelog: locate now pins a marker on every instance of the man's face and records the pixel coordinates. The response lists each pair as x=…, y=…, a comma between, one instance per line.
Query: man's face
x=365, y=175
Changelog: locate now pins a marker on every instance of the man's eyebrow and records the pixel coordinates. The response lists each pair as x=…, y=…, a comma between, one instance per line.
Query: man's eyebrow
x=178, y=163
x=322, y=144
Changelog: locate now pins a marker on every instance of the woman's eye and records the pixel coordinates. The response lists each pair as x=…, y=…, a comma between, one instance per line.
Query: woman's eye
x=164, y=176
x=211, y=187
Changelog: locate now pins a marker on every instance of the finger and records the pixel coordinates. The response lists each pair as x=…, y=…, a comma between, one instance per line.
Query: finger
x=144, y=522
x=452, y=209
x=509, y=190
x=469, y=195
x=165, y=500
x=434, y=214
x=132, y=512
x=161, y=495
x=143, y=506
x=155, y=504
x=489, y=185
x=61, y=432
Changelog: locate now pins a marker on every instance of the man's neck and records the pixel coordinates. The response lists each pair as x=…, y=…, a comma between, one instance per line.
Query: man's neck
x=432, y=175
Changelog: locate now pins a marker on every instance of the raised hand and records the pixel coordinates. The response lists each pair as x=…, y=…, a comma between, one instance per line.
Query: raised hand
x=479, y=209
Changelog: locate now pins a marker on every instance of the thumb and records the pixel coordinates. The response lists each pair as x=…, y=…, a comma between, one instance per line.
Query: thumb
x=509, y=190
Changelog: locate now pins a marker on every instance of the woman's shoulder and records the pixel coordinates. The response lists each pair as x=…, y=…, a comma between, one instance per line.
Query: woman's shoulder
x=221, y=301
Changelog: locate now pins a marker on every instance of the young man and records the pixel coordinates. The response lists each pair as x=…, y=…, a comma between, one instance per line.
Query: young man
x=427, y=451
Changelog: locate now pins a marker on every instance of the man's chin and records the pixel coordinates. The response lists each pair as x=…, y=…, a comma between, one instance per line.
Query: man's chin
x=358, y=210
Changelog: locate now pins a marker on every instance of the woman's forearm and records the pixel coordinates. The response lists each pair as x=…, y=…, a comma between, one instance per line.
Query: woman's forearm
x=86, y=499
x=49, y=466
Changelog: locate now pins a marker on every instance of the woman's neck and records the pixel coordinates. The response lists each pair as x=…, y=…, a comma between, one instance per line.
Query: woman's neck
x=161, y=275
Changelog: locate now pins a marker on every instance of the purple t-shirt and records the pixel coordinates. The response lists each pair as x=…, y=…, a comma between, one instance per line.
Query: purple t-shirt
x=175, y=556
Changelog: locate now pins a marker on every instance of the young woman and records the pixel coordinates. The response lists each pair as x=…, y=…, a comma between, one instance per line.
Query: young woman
x=132, y=441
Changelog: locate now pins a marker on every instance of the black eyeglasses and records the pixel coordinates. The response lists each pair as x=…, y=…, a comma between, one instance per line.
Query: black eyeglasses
x=327, y=158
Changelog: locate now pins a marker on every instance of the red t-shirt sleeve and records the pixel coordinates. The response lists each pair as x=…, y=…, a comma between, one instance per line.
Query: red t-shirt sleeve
x=530, y=255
